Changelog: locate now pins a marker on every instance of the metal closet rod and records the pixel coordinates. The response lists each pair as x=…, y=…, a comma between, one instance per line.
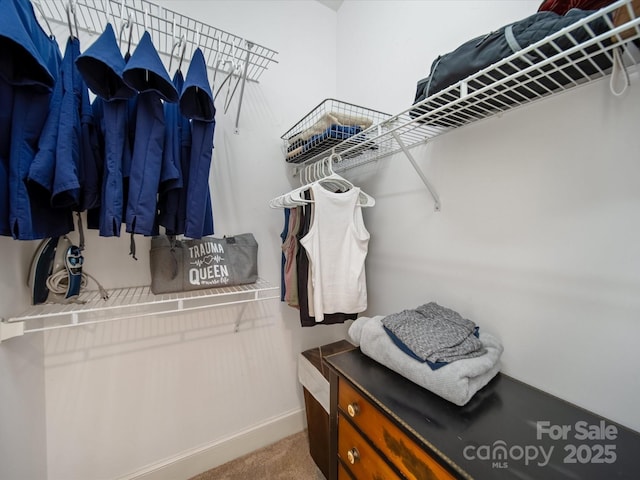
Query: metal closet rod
x=166, y=27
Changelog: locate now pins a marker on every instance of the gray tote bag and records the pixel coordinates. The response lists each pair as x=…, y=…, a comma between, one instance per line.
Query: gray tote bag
x=184, y=265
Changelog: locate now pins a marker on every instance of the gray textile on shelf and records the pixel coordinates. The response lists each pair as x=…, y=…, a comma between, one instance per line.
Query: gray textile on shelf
x=435, y=333
x=456, y=382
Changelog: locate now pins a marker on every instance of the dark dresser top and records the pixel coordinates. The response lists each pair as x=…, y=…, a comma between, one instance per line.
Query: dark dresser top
x=509, y=430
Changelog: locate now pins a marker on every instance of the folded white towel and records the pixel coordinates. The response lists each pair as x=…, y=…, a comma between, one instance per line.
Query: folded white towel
x=457, y=382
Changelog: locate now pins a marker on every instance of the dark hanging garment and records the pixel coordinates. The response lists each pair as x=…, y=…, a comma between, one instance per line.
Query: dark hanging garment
x=70, y=155
x=101, y=67
x=29, y=65
x=92, y=160
x=177, y=149
x=97, y=115
x=283, y=259
x=130, y=138
x=6, y=100
x=42, y=168
x=196, y=103
x=65, y=157
x=146, y=73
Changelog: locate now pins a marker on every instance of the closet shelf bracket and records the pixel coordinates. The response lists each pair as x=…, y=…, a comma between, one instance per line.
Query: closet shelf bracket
x=420, y=173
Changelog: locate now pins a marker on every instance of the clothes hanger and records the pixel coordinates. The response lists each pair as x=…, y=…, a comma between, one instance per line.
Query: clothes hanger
x=128, y=23
x=329, y=178
x=237, y=68
x=36, y=4
x=177, y=43
x=217, y=61
x=182, y=42
x=71, y=9
x=285, y=200
x=231, y=69
x=320, y=173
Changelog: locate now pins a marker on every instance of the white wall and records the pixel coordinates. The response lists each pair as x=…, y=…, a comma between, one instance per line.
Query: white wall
x=538, y=236
x=22, y=396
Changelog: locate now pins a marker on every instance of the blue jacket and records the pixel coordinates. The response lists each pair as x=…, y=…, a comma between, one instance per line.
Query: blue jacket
x=29, y=65
x=101, y=67
x=92, y=155
x=145, y=73
x=196, y=103
x=69, y=173
x=65, y=164
x=172, y=197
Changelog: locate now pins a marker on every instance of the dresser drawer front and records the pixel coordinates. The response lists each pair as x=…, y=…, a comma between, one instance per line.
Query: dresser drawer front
x=342, y=473
x=403, y=452
x=363, y=461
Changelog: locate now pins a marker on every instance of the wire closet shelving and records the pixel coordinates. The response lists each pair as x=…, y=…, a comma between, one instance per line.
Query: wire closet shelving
x=131, y=302
x=512, y=82
x=174, y=35
x=171, y=32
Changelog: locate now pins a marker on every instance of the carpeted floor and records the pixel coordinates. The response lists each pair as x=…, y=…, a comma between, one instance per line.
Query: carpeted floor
x=287, y=459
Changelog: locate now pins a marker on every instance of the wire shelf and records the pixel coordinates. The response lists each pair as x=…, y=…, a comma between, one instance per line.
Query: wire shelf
x=134, y=302
x=166, y=27
x=334, y=124
x=503, y=86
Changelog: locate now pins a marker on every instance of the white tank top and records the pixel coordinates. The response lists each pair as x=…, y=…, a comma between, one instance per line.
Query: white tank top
x=337, y=244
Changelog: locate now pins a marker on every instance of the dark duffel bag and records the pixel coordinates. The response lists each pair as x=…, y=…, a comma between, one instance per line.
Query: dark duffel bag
x=481, y=52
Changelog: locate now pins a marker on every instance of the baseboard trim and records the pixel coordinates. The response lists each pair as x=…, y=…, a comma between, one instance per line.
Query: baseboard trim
x=192, y=462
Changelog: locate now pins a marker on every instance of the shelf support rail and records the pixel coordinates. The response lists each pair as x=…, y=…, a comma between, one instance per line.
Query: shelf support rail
x=10, y=328
x=420, y=173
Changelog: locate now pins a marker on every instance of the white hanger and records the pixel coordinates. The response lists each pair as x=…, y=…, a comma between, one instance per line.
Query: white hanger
x=329, y=178
x=237, y=69
x=320, y=173
x=71, y=10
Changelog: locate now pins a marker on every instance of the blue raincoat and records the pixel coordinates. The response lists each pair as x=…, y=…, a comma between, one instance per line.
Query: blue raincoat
x=177, y=149
x=69, y=175
x=101, y=66
x=92, y=160
x=65, y=166
x=145, y=73
x=29, y=64
x=196, y=103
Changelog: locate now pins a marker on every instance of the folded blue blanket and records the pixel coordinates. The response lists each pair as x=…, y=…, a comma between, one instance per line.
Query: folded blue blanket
x=335, y=131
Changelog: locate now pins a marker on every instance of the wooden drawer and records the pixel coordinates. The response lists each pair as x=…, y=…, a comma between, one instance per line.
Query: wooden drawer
x=363, y=461
x=342, y=473
x=403, y=452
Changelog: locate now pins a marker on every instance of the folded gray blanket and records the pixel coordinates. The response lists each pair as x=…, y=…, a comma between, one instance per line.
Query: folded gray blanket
x=457, y=382
x=435, y=333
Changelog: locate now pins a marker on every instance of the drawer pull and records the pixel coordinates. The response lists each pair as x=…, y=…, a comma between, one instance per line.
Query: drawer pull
x=353, y=455
x=353, y=409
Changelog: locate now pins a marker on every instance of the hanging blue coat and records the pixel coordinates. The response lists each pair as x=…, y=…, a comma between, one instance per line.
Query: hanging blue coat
x=6, y=100
x=132, y=107
x=65, y=164
x=145, y=73
x=29, y=64
x=196, y=103
x=101, y=67
x=69, y=174
x=92, y=161
x=177, y=148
